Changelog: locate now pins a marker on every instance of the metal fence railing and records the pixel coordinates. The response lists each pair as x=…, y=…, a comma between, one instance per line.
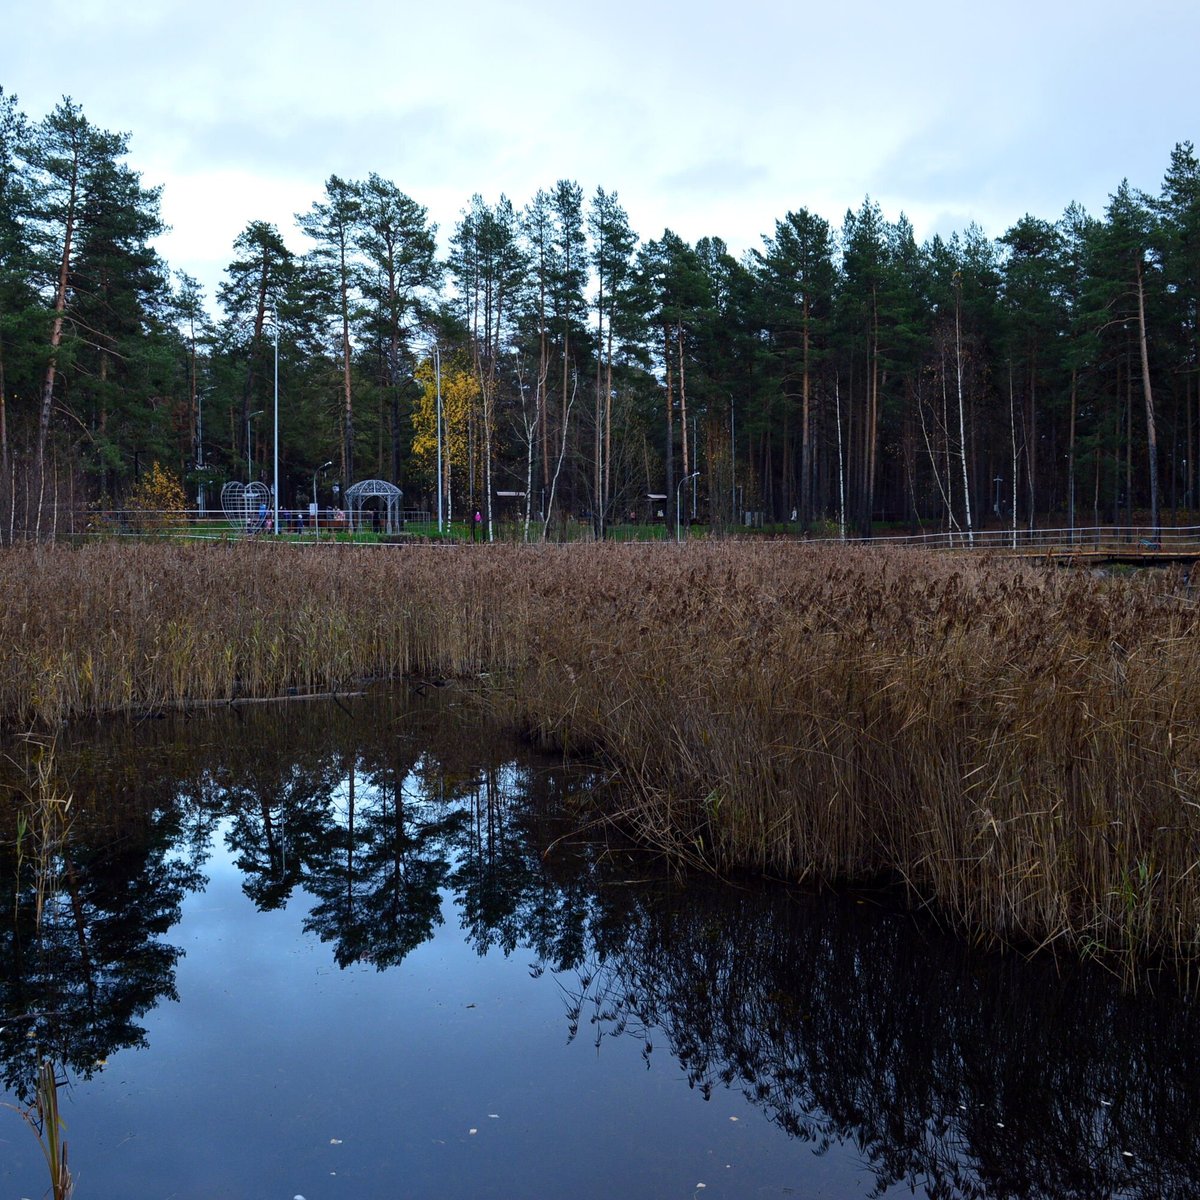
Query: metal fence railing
x=1111, y=539
x=1142, y=541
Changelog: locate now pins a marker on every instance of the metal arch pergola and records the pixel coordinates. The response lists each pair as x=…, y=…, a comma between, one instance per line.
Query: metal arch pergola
x=371, y=489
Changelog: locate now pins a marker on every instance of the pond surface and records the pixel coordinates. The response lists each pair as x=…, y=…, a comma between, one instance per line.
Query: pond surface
x=360, y=949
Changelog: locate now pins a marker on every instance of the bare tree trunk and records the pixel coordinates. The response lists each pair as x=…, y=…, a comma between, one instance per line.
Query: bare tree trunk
x=4, y=420
x=962, y=431
x=951, y=519
x=1071, y=452
x=542, y=398
x=1189, y=464
x=1015, y=465
x=531, y=435
x=598, y=424
x=60, y=305
x=1148, y=398
x=347, y=395
x=682, y=401
x=1031, y=459
x=933, y=458
x=562, y=451
x=837, y=399
x=1128, y=444
x=608, y=393
x=871, y=432
x=668, y=510
x=37, y=529
x=805, y=422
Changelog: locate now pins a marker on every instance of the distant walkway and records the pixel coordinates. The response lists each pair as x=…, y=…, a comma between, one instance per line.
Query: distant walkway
x=1135, y=545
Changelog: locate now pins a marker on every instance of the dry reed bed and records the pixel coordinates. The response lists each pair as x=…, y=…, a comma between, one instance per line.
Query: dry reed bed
x=1021, y=747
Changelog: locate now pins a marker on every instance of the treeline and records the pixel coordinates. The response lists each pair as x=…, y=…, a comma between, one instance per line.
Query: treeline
x=838, y=376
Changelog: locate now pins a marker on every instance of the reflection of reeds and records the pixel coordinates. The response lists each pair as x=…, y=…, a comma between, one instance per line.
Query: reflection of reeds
x=1019, y=746
x=43, y=1117
x=43, y=820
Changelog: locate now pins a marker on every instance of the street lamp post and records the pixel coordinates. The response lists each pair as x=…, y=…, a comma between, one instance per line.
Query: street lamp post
x=437, y=371
x=316, y=511
x=275, y=454
x=437, y=376
x=678, y=502
x=200, y=450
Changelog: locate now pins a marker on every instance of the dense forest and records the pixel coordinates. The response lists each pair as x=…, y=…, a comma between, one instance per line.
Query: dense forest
x=836, y=378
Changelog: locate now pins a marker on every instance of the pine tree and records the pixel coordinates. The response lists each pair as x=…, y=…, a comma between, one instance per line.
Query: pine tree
x=613, y=243
x=396, y=243
x=674, y=279
x=1177, y=235
x=1122, y=245
x=489, y=269
x=334, y=225
x=17, y=297
x=796, y=271
x=67, y=157
x=864, y=285
x=256, y=282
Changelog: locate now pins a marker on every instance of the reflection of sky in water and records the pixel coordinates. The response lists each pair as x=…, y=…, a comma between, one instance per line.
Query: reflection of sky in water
x=874, y=1049
x=273, y=1052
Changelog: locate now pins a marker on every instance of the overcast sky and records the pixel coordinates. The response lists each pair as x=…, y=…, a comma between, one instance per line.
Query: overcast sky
x=708, y=118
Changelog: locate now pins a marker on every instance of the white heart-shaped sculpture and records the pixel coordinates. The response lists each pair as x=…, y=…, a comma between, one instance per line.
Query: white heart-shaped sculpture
x=245, y=505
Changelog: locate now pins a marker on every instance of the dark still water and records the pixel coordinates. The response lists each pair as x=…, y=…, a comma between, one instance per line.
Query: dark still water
x=359, y=950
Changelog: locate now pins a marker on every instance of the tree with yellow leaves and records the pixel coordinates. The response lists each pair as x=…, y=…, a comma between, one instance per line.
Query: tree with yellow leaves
x=157, y=501
x=460, y=404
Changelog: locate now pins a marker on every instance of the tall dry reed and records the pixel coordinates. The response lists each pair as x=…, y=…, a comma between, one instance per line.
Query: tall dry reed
x=1020, y=746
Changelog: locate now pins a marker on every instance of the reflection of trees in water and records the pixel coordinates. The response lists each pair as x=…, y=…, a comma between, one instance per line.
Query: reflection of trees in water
x=506, y=887
x=958, y=1075
x=74, y=984
x=147, y=799
x=378, y=874
x=383, y=807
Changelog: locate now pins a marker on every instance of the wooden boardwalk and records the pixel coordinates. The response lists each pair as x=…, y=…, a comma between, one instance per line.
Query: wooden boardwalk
x=1102, y=555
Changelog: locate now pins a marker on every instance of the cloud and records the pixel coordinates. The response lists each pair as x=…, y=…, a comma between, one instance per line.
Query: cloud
x=715, y=178
x=713, y=121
